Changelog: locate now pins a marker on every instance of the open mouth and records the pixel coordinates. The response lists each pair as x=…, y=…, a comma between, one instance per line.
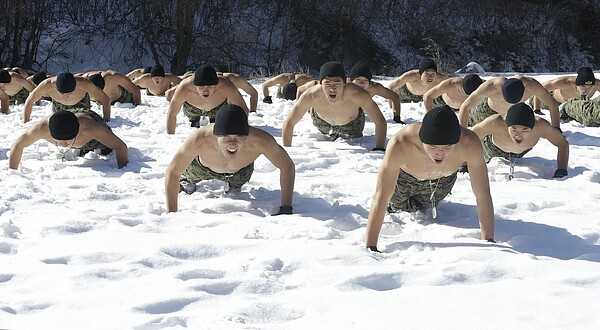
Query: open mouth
x=438, y=161
x=332, y=96
x=206, y=94
x=231, y=152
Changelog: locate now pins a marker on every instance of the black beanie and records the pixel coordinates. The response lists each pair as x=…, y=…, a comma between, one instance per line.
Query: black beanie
x=360, y=70
x=5, y=77
x=332, y=69
x=157, y=71
x=147, y=69
x=471, y=82
x=513, y=90
x=98, y=80
x=39, y=77
x=440, y=127
x=426, y=64
x=289, y=91
x=585, y=76
x=520, y=114
x=206, y=76
x=65, y=82
x=231, y=119
x=63, y=125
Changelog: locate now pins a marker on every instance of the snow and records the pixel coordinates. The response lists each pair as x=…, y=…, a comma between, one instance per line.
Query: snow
x=84, y=245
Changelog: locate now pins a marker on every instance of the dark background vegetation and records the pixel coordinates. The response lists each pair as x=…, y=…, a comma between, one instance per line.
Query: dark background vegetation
x=273, y=36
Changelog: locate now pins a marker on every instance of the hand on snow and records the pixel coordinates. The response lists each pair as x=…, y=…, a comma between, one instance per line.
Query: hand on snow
x=560, y=173
x=285, y=209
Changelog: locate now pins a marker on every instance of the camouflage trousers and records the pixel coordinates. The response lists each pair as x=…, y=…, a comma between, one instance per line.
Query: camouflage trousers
x=407, y=96
x=492, y=150
x=412, y=194
x=352, y=129
x=197, y=172
x=84, y=104
x=586, y=112
x=480, y=112
x=19, y=97
x=195, y=113
x=126, y=96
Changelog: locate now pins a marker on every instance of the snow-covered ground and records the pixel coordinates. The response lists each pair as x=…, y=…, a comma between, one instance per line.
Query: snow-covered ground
x=84, y=245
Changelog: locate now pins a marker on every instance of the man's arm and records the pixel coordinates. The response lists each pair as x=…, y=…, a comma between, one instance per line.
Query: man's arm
x=131, y=87
x=402, y=80
x=298, y=110
x=485, y=127
x=232, y=94
x=556, y=138
x=372, y=110
x=33, y=97
x=393, y=97
x=23, y=82
x=241, y=83
x=434, y=92
x=471, y=101
x=97, y=94
x=545, y=97
x=277, y=80
x=107, y=138
x=181, y=160
x=386, y=184
x=25, y=140
x=301, y=89
x=179, y=96
x=4, y=101
x=480, y=184
x=287, y=170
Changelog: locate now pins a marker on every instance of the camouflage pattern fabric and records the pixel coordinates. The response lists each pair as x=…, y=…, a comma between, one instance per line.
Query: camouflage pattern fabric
x=126, y=96
x=492, y=150
x=407, y=96
x=586, y=112
x=352, y=129
x=19, y=97
x=480, y=112
x=84, y=104
x=412, y=194
x=194, y=113
x=197, y=172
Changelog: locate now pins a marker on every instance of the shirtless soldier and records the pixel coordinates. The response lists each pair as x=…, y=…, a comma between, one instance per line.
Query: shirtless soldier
x=420, y=168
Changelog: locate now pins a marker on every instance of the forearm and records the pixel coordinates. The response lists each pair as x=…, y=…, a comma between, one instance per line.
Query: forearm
x=562, y=158
x=27, y=112
x=286, y=136
x=554, y=114
x=286, y=181
x=106, y=111
x=427, y=102
x=253, y=103
x=375, y=221
x=15, y=159
x=463, y=116
x=171, y=122
x=122, y=157
x=537, y=104
x=485, y=212
x=171, y=191
x=380, y=135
